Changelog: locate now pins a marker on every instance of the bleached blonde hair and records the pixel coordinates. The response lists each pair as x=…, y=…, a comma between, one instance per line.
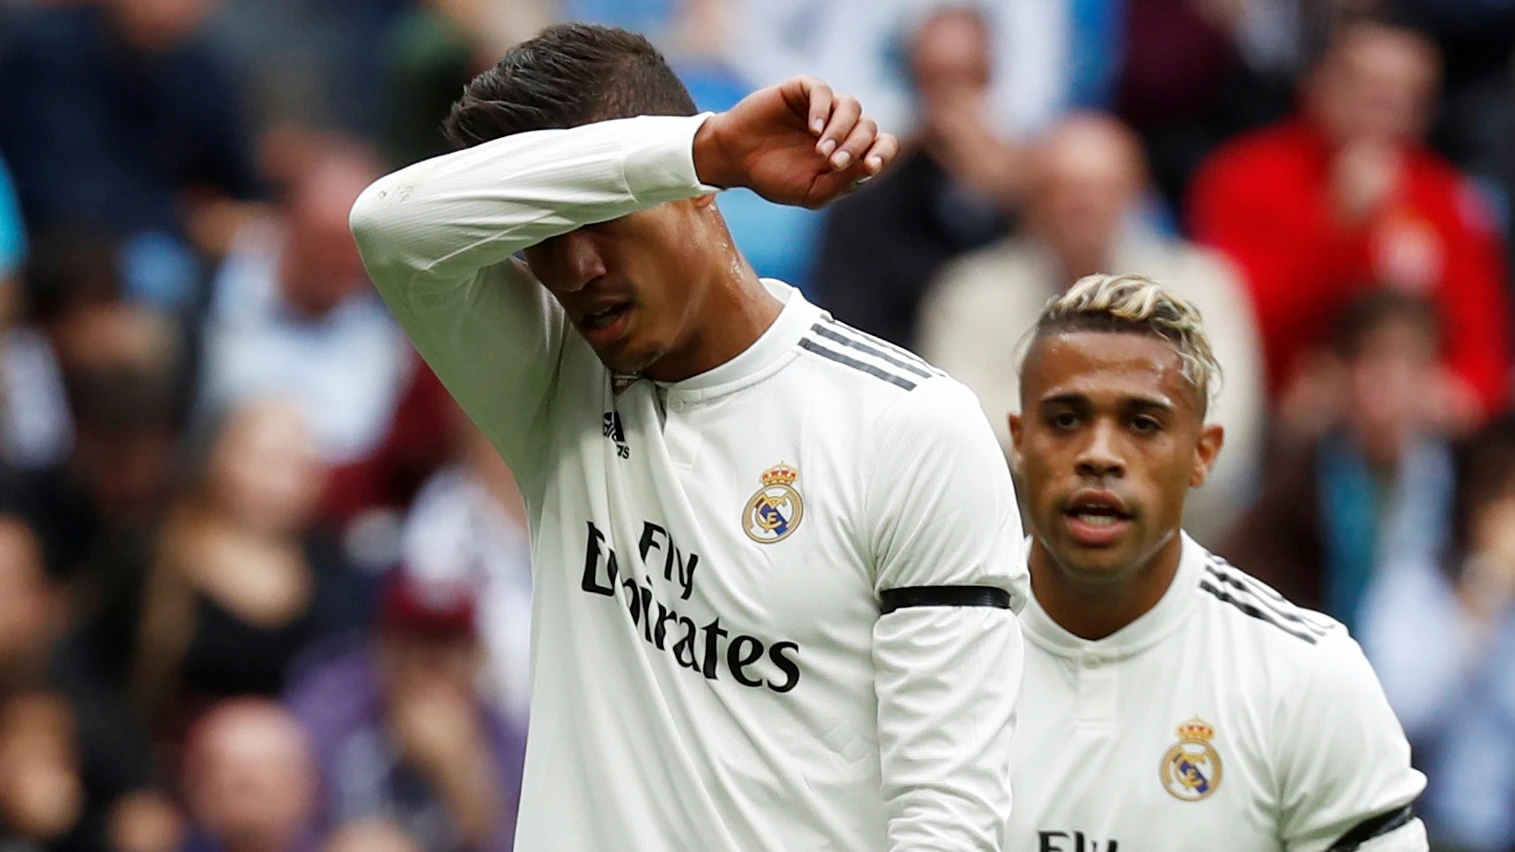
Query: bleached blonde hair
x=1137, y=304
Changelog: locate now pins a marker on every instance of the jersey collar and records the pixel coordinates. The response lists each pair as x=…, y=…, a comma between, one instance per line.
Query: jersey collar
x=1135, y=637
x=768, y=353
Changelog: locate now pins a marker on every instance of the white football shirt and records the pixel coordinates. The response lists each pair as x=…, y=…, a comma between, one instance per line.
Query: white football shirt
x=1225, y=718
x=711, y=671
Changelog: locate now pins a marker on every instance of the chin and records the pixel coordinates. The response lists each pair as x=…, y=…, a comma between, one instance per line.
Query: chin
x=1093, y=567
x=1090, y=564
x=625, y=360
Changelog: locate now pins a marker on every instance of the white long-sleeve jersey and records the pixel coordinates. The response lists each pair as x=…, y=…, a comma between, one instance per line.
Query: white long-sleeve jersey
x=711, y=668
x=1225, y=718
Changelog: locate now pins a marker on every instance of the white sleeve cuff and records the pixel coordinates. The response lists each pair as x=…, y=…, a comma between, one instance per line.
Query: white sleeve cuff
x=659, y=163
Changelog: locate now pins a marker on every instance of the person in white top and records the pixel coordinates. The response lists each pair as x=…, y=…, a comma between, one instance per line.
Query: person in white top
x=777, y=563
x=1174, y=702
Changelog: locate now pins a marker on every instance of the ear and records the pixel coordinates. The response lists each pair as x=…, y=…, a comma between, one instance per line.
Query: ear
x=1017, y=434
x=703, y=200
x=1206, y=451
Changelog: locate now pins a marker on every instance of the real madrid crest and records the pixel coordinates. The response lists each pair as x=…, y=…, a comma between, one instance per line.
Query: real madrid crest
x=1191, y=768
x=775, y=510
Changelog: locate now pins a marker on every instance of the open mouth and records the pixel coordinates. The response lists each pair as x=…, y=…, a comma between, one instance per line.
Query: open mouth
x=604, y=318
x=1096, y=518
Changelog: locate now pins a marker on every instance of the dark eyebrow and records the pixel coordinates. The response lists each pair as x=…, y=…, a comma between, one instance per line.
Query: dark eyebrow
x=1074, y=399
x=1143, y=404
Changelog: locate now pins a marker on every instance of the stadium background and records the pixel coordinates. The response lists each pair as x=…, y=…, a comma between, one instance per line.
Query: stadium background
x=262, y=589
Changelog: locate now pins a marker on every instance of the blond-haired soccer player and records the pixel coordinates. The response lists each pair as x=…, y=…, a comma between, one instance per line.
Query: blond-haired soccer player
x=1174, y=702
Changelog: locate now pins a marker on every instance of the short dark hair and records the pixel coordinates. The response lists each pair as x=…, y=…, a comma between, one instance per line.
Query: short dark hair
x=1376, y=309
x=566, y=76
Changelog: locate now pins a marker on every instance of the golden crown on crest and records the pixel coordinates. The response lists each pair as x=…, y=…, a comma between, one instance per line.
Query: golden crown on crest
x=780, y=474
x=1196, y=729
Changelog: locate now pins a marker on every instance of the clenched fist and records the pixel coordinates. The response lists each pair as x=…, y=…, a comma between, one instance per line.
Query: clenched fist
x=795, y=143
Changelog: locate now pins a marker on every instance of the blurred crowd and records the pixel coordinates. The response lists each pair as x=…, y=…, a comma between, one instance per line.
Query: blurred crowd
x=263, y=588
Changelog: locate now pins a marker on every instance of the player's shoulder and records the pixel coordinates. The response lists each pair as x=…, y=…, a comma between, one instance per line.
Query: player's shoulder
x=1245, y=606
x=842, y=359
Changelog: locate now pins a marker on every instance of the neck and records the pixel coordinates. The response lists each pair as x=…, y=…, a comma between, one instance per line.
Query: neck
x=734, y=313
x=1096, y=608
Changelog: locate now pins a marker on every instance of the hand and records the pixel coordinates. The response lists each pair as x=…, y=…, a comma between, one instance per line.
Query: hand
x=795, y=143
x=144, y=821
x=1452, y=406
x=1313, y=400
x=1488, y=581
x=434, y=728
x=1363, y=178
x=971, y=151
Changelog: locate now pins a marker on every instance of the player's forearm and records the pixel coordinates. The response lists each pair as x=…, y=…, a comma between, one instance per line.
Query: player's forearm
x=452, y=215
x=947, y=681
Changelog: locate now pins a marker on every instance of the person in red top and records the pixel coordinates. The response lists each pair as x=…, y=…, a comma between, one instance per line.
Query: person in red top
x=1344, y=198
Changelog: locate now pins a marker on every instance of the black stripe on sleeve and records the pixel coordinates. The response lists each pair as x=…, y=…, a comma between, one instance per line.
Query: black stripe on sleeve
x=913, y=596
x=1373, y=827
x=879, y=343
x=870, y=350
x=1259, y=614
x=855, y=364
x=1274, y=606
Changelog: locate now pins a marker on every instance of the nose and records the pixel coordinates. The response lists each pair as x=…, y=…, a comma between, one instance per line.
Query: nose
x=1101, y=456
x=573, y=261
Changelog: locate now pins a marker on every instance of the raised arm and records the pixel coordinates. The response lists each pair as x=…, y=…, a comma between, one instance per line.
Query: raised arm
x=947, y=646
x=438, y=239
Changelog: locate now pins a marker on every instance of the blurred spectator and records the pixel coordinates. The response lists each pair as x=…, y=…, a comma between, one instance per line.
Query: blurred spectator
x=292, y=313
x=1476, y=125
x=1441, y=634
x=97, y=514
x=1050, y=53
x=34, y=426
x=1195, y=72
x=116, y=113
x=145, y=822
x=1346, y=196
x=371, y=835
x=41, y=794
x=469, y=525
x=241, y=583
x=1377, y=484
x=29, y=611
x=95, y=740
x=433, y=51
x=402, y=729
x=947, y=194
x=1086, y=180
x=248, y=779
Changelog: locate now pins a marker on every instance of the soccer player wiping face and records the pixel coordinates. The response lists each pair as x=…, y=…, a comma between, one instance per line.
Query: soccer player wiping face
x=1111, y=437
x=799, y=636
x=646, y=290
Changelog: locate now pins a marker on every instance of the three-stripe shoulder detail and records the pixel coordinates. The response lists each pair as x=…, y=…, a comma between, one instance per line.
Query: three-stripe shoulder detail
x=867, y=354
x=1255, y=599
